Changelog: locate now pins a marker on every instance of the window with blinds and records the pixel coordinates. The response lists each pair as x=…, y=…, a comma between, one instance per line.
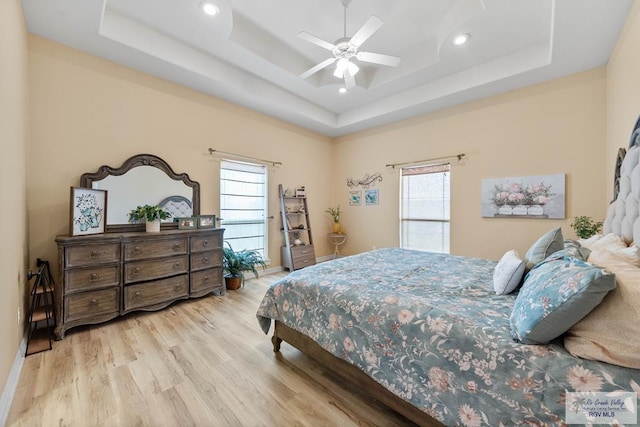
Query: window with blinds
x=424, y=208
x=243, y=205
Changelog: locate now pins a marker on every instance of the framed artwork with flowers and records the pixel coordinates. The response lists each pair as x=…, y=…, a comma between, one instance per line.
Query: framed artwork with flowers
x=88, y=211
x=537, y=196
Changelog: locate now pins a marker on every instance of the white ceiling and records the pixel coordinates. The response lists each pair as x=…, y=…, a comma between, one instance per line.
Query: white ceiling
x=250, y=53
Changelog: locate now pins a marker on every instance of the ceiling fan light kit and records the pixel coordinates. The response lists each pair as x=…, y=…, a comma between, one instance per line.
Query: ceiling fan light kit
x=345, y=65
x=345, y=50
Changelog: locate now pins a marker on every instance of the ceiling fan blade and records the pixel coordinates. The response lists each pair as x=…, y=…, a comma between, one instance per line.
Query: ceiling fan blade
x=371, y=26
x=378, y=58
x=349, y=80
x=316, y=40
x=317, y=68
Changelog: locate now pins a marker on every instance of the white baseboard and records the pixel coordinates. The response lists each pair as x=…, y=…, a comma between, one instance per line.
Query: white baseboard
x=280, y=268
x=12, y=383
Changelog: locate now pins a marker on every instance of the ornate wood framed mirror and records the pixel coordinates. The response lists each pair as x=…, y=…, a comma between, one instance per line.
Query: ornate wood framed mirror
x=143, y=179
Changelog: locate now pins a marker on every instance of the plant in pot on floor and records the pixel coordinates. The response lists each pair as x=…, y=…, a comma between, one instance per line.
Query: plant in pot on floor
x=235, y=263
x=151, y=215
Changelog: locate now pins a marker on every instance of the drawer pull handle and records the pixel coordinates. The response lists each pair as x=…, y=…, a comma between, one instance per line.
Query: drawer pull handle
x=206, y=280
x=176, y=247
x=177, y=287
x=94, y=277
x=94, y=255
x=205, y=260
x=205, y=243
x=137, y=250
x=176, y=266
x=93, y=303
x=135, y=272
x=137, y=295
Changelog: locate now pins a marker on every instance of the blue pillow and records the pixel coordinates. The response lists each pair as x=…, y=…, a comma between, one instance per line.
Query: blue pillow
x=549, y=243
x=581, y=253
x=556, y=295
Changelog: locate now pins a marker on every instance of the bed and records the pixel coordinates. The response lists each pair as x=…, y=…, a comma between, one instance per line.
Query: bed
x=427, y=335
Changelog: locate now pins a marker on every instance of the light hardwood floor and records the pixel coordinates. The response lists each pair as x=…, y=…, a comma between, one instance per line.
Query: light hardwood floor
x=202, y=362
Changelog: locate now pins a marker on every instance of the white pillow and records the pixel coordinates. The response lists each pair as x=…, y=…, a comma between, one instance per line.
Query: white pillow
x=508, y=273
x=587, y=243
x=614, y=244
x=607, y=332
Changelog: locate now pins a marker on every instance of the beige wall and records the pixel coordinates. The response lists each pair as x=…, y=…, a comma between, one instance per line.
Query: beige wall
x=623, y=90
x=13, y=140
x=550, y=128
x=87, y=112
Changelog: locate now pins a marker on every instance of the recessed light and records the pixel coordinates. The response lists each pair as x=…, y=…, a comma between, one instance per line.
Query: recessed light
x=210, y=8
x=342, y=90
x=461, y=39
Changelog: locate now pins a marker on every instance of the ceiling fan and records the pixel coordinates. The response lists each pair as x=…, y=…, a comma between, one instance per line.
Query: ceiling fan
x=345, y=50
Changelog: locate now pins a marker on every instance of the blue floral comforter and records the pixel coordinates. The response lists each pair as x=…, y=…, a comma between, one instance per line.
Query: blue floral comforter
x=429, y=328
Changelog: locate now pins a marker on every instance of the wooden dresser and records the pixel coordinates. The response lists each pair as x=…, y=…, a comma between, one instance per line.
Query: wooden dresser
x=105, y=276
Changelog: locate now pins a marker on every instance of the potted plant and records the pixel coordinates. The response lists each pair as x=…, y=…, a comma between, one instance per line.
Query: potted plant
x=235, y=263
x=335, y=216
x=585, y=227
x=150, y=214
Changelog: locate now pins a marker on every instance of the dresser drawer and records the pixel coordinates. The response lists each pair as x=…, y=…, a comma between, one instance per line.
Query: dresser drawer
x=155, y=248
x=83, y=305
x=206, y=279
x=302, y=256
x=301, y=251
x=206, y=243
x=146, y=294
x=76, y=256
x=208, y=259
x=139, y=271
x=83, y=279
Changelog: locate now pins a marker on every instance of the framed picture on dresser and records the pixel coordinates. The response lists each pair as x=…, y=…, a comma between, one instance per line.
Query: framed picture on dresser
x=88, y=211
x=186, y=223
x=206, y=221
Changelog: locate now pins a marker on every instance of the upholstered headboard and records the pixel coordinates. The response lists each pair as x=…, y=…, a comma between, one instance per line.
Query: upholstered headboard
x=177, y=206
x=623, y=215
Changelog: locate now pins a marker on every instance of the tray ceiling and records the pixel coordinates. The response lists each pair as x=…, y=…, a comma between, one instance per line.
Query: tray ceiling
x=250, y=54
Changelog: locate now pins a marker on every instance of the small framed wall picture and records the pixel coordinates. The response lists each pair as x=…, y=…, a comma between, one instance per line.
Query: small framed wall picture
x=88, y=211
x=207, y=221
x=371, y=197
x=355, y=197
x=187, y=223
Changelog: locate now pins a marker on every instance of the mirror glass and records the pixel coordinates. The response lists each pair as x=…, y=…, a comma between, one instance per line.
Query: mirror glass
x=144, y=179
x=143, y=185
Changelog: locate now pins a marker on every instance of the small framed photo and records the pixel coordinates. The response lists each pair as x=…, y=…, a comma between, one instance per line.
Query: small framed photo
x=186, y=223
x=355, y=197
x=371, y=197
x=88, y=211
x=301, y=192
x=207, y=221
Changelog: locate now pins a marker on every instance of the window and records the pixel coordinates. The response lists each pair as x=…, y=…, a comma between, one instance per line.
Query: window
x=424, y=209
x=243, y=205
